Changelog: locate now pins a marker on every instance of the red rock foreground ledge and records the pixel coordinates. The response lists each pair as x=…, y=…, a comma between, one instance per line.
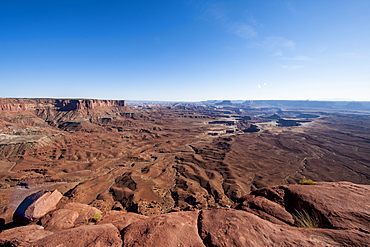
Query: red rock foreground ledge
x=267, y=217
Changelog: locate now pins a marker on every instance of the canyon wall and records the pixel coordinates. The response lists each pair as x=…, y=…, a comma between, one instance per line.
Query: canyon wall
x=17, y=105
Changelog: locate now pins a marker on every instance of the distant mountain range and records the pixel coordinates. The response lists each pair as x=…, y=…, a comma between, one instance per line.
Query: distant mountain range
x=349, y=105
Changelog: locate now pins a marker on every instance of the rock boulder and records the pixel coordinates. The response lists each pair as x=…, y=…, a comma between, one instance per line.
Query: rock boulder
x=85, y=212
x=172, y=229
x=36, y=205
x=60, y=219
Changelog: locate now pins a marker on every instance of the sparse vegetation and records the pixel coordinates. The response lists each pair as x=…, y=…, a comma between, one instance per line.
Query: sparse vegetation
x=98, y=217
x=304, y=219
x=306, y=182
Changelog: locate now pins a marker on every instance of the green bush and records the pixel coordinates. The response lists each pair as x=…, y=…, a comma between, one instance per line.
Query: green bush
x=306, y=182
x=98, y=217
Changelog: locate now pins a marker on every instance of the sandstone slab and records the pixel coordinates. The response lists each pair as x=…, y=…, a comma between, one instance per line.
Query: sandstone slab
x=36, y=205
x=266, y=209
x=22, y=236
x=87, y=235
x=121, y=219
x=340, y=205
x=172, y=229
x=85, y=212
x=60, y=219
x=229, y=227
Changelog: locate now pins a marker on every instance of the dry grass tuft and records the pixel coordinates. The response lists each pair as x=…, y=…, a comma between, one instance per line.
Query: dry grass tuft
x=304, y=219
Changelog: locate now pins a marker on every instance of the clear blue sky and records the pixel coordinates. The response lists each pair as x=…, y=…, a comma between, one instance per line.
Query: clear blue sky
x=186, y=50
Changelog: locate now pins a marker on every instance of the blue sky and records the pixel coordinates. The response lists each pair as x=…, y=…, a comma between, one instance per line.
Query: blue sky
x=185, y=50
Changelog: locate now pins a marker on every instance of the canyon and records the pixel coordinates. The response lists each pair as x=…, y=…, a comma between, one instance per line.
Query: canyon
x=161, y=158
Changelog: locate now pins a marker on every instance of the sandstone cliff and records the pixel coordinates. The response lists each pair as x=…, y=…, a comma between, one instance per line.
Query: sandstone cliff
x=44, y=112
x=16, y=105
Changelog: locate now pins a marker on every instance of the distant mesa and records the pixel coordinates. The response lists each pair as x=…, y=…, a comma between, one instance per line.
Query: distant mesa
x=309, y=104
x=278, y=105
x=225, y=102
x=71, y=105
x=290, y=123
x=307, y=115
x=287, y=123
x=273, y=117
x=354, y=105
x=15, y=105
x=229, y=123
x=244, y=118
x=251, y=129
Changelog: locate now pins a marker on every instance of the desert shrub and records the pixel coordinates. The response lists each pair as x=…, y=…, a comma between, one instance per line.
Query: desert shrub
x=306, y=182
x=304, y=219
x=98, y=217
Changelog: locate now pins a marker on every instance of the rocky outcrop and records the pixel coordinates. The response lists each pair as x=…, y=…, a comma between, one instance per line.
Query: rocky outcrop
x=22, y=236
x=36, y=206
x=25, y=123
x=12, y=105
x=60, y=219
x=44, y=107
x=84, y=104
x=87, y=235
x=266, y=209
x=339, y=205
x=266, y=217
x=88, y=191
x=252, y=128
x=229, y=227
x=121, y=219
x=173, y=229
x=85, y=212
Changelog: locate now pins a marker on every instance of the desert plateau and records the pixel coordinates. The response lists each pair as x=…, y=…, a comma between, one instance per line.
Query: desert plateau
x=185, y=123
x=196, y=163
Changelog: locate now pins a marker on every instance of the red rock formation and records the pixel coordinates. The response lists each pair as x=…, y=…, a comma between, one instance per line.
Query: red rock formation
x=12, y=105
x=17, y=105
x=87, y=235
x=121, y=219
x=60, y=219
x=87, y=104
x=22, y=236
x=228, y=227
x=340, y=205
x=173, y=229
x=269, y=221
x=36, y=206
x=85, y=212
